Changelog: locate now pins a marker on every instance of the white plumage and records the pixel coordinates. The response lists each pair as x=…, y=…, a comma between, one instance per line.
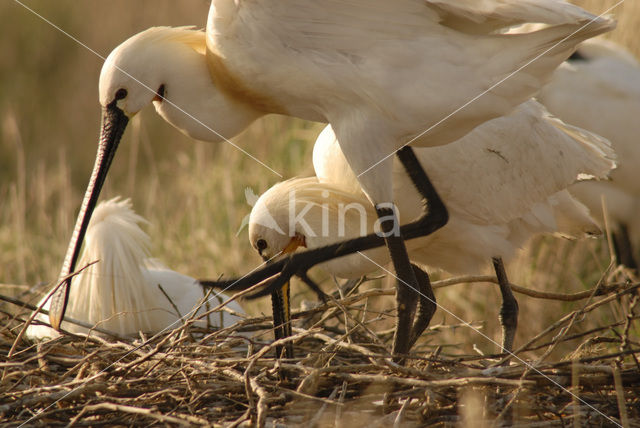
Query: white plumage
x=502, y=183
x=601, y=91
x=120, y=293
x=381, y=73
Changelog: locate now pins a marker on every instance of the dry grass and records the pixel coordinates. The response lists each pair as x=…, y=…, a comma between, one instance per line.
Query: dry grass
x=193, y=195
x=342, y=376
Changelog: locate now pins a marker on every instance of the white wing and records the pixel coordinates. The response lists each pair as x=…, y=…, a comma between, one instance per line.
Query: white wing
x=497, y=172
x=383, y=72
x=494, y=174
x=394, y=56
x=601, y=90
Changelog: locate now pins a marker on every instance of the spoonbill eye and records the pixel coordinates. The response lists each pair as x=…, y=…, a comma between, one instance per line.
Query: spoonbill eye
x=121, y=93
x=261, y=244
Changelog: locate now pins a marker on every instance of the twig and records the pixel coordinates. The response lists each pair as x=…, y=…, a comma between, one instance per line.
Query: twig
x=622, y=408
x=44, y=301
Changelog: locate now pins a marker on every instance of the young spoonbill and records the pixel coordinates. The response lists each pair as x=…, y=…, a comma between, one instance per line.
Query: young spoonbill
x=534, y=158
x=121, y=292
x=381, y=72
x=599, y=89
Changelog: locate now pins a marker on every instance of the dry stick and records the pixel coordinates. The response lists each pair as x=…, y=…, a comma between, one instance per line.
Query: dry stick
x=568, y=317
x=329, y=313
x=111, y=407
x=175, y=308
x=82, y=362
x=241, y=419
x=397, y=423
x=625, y=342
x=576, y=314
x=370, y=333
x=607, y=230
x=311, y=397
x=149, y=354
x=343, y=394
x=622, y=408
x=316, y=418
x=26, y=324
x=31, y=307
x=340, y=343
x=471, y=279
x=385, y=380
x=437, y=284
x=575, y=388
x=52, y=397
x=564, y=297
x=231, y=299
x=252, y=385
x=578, y=335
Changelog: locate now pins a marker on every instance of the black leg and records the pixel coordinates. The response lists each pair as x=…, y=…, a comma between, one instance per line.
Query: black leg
x=426, y=305
x=623, y=248
x=435, y=217
x=436, y=214
x=313, y=286
x=509, y=309
x=282, y=319
x=406, y=284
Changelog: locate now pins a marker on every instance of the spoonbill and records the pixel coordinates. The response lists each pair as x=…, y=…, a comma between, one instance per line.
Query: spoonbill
x=534, y=157
x=383, y=74
x=386, y=75
x=121, y=292
x=599, y=88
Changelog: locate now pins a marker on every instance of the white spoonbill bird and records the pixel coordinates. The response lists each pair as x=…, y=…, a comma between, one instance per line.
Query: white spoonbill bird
x=599, y=89
x=121, y=292
x=533, y=158
x=382, y=73
x=386, y=75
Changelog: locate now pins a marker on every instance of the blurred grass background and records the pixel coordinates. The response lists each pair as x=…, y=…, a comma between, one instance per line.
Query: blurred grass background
x=193, y=192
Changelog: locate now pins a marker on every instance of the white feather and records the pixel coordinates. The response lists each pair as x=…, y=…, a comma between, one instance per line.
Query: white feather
x=602, y=93
x=382, y=72
x=120, y=293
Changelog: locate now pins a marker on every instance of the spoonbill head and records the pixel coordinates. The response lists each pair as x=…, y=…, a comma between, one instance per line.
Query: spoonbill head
x=126, y=291
x=167, y=67
x=306, y=213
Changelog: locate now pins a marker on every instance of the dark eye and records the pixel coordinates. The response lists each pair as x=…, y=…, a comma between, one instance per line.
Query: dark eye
x=121, y=93
x=261, y=244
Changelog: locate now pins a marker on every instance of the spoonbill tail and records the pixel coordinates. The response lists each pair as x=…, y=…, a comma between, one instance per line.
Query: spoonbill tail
x=533, y=157
x=599, y=88
x=381, y=73
x=121, y=292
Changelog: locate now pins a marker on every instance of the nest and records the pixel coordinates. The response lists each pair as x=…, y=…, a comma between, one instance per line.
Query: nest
x=342, y=375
